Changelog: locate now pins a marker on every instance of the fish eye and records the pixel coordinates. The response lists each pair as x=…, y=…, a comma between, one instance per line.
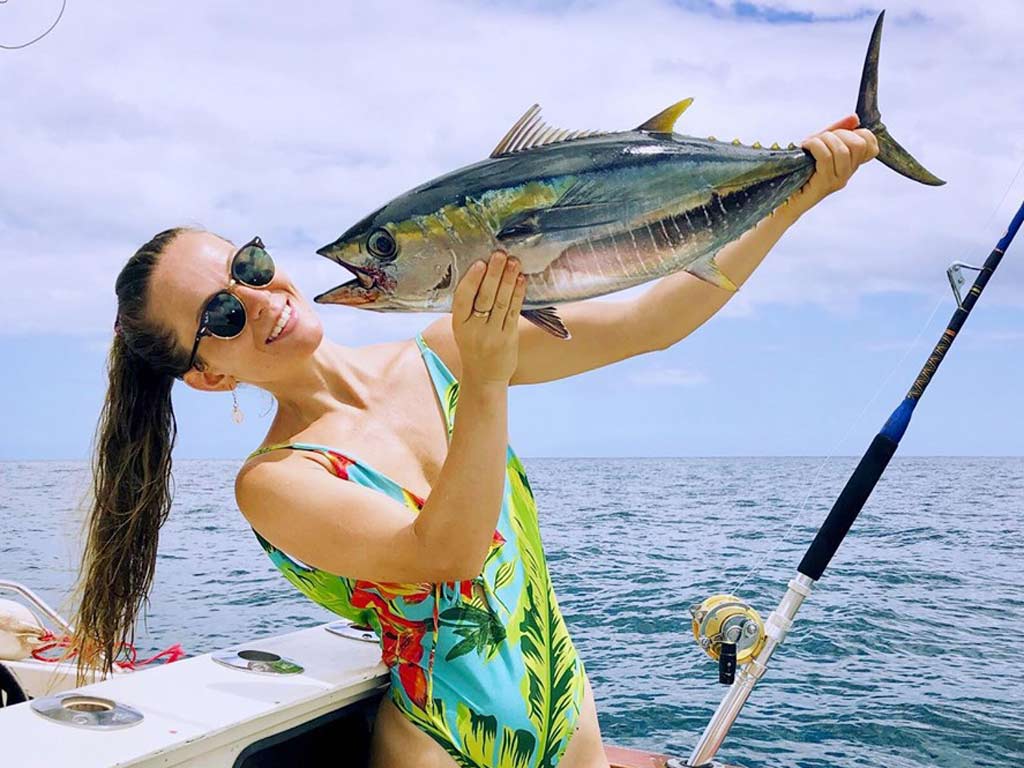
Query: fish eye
x=381, y=244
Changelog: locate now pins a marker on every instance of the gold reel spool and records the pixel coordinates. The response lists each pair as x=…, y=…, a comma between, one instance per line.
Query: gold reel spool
x=728, y=619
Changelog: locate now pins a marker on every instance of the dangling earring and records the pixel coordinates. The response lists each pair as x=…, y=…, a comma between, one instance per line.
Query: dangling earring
x=236, y=413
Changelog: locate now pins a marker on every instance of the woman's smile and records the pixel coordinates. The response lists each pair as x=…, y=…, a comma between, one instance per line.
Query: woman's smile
x=285, y=322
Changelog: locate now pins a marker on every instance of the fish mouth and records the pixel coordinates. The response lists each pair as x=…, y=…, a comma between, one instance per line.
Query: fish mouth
x=368, y=285
x=363, y=276
x=362, y=289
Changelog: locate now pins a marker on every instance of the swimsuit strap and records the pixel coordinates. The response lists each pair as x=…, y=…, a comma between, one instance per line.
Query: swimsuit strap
x=339, y=461
x=445, y=383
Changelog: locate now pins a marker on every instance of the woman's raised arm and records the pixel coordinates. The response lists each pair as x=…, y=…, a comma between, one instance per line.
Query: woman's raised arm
x=350, y=530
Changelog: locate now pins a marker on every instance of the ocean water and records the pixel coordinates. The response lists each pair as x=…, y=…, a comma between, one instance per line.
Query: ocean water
x=908, y=652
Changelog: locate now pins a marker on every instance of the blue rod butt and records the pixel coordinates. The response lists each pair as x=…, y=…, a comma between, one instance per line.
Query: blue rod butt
x=898, y=422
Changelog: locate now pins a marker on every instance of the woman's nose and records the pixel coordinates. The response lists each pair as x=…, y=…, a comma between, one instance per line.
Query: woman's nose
x=256, y=300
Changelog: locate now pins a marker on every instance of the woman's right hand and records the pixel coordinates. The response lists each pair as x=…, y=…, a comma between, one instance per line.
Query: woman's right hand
x=489, y=345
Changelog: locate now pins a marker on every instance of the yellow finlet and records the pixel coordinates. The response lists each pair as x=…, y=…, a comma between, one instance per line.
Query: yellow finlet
x=756, y=145
x=666, y=119
x=712, y=138
x=791, y=145
x=737, y=143
x=709, y=272
x=775, y=145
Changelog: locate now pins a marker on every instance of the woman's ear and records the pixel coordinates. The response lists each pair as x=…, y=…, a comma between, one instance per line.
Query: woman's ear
x=208, y=381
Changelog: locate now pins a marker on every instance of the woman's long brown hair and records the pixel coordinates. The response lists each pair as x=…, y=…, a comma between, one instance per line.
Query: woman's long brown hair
x=131, y=472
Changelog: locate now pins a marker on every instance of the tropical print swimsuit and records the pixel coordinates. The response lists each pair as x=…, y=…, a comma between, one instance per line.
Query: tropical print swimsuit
x=484, y=666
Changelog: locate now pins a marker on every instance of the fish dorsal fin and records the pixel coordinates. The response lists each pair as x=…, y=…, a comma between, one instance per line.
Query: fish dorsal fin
x=666, y=119
x=531, y=132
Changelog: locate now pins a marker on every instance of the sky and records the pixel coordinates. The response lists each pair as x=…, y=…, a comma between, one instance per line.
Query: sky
x=293, y=121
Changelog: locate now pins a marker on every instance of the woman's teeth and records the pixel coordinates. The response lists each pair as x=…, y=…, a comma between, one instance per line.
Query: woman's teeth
x=282, y=321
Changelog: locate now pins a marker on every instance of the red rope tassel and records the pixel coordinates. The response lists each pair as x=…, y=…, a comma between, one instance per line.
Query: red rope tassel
x=51, y=641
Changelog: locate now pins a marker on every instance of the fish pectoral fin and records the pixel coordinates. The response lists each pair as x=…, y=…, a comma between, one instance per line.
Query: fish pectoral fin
x=530, y=132
x=709, y=272
x=587, y=203
x=664, y=121
x=548, y=319
x=522, y=226
x=589, y=193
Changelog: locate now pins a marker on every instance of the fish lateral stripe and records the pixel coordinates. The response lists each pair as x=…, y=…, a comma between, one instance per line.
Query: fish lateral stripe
x=664, y=245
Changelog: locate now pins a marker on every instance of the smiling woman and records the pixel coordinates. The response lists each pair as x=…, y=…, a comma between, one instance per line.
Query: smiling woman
x=447, y=566
x=179, y=277
x=433, y=537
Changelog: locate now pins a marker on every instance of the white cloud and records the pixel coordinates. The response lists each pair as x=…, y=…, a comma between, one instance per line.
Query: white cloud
x=295, y=121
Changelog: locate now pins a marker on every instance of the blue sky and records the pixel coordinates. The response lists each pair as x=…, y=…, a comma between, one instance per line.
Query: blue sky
x=293, y=122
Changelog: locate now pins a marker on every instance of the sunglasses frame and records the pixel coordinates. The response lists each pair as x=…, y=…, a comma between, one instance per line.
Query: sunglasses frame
x=204, y=329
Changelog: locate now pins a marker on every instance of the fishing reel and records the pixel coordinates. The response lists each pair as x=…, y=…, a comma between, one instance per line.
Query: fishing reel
x=729, y=631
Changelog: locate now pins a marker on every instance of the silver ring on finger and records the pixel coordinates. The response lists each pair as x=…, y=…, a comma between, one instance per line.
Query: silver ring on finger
x=478, y=313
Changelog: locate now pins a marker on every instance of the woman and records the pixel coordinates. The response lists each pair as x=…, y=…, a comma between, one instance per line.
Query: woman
x=434, y=539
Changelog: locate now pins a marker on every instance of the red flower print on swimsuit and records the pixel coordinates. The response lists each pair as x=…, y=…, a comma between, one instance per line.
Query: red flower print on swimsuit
x=401, y=638
x=414, y=683
x=340, y=463
x=404, y=647
x=389, y=590
x=401, y=641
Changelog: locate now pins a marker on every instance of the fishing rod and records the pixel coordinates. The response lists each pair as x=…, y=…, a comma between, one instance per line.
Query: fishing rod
x=731, y=631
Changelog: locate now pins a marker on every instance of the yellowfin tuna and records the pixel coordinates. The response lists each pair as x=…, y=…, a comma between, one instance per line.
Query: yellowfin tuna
x=586, y=213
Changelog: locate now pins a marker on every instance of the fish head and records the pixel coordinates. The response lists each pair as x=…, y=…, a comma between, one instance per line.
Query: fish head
x=397, y=265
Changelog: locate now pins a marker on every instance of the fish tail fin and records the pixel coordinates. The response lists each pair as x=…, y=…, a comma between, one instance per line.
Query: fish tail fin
x=889, y=150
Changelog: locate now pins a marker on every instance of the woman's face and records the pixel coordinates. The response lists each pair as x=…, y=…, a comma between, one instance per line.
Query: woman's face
x=192, y=269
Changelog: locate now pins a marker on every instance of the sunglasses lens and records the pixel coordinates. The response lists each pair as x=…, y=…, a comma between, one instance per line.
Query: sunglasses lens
x=253, y=266
x=225, y=316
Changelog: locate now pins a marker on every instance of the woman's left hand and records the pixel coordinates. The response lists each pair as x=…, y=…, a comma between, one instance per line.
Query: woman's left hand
x=838, y=151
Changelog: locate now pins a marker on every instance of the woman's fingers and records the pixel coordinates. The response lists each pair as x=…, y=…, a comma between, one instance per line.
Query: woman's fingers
x=856, y=145
x=516, y=304
x=465, y=291
x=820, y=152
x=849, y=123
x=838, y=152
x=489, y=286
x=503, y=296
x=841, y=161
x=871, y=150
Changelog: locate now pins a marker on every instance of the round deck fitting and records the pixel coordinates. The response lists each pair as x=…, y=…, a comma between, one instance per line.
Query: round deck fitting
x=93, y=713
x=346, y=628
x=263, y=662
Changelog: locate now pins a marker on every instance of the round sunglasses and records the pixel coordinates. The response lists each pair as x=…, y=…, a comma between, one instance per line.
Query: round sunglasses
x=223, y=314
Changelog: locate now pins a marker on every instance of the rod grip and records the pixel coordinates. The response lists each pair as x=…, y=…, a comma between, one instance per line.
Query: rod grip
x=847, y=507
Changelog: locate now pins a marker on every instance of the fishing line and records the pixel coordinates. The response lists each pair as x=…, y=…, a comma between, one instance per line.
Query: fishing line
x=801, y=512
x=63, y=5
x=798, y=517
